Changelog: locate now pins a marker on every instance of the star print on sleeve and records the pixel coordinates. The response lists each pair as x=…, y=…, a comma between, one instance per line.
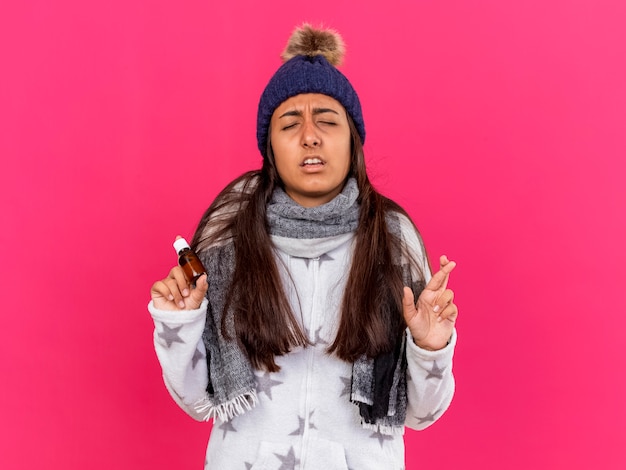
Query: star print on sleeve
x=435, y=372
x=429, y=418
x=289, y=461
x=265, y=383
x=170, y=335
x=197, y=356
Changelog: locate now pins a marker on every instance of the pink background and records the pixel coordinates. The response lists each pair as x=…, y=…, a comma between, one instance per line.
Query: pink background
x=499, y=125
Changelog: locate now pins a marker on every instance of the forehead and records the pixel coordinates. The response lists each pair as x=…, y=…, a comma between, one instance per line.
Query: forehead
x=310, y=100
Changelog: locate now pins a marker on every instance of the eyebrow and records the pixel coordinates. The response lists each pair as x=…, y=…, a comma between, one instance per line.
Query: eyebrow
x=316, y=111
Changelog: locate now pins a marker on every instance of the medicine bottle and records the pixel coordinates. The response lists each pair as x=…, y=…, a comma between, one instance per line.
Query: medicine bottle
x=189, y=261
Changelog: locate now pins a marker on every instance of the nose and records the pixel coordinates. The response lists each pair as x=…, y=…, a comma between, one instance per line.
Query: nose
x=310, y=136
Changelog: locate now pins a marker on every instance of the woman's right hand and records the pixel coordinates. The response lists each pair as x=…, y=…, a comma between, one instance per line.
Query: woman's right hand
x=175, y=293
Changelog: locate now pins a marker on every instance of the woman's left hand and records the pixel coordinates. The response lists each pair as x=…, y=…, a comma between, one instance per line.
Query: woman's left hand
x=432, y=319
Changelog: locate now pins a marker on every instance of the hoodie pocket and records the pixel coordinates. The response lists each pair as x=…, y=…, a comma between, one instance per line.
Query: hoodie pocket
x=274, y=455
x=320, y=454
x=329, y=455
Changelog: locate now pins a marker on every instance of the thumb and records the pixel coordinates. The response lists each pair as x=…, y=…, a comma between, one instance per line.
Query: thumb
x=202, y=285
x=408, y=304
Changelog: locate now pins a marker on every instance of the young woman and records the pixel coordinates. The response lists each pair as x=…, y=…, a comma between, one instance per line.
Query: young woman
x=304, y=341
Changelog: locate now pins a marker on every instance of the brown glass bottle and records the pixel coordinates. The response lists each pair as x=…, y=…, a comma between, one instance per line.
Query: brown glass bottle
x=189, y=261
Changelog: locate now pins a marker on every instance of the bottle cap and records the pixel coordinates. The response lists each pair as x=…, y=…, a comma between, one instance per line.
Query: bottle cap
x=180, y=244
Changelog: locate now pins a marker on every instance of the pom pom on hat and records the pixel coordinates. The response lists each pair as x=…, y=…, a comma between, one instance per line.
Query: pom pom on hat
x=311, y=57
x=310, y=42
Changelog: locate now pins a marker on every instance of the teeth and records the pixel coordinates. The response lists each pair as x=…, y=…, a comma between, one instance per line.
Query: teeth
x=312, y=161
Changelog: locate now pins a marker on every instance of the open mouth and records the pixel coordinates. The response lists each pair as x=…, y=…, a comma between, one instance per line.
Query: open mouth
x=312, y=161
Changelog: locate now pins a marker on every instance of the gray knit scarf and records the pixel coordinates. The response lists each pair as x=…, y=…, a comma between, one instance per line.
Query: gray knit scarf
x=378, y=384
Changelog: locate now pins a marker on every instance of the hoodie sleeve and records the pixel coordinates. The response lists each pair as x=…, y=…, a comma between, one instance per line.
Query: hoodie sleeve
x=430, y=383
x=182, y=355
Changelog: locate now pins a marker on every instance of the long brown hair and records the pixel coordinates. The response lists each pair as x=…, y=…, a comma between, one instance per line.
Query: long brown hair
x=371, y=312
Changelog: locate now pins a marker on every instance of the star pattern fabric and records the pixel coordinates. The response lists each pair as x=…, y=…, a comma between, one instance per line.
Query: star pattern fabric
x=197, y=356
x=300, y=430
x=170, y=335
x=265, y=383
x=285, y=416
x=289, y=461
x=318, y=338
x=347, y=386
x=429, y=418
x=326, y=257
x=435, y=372
x=301, y=425
x=227, y=426
x=381, y=438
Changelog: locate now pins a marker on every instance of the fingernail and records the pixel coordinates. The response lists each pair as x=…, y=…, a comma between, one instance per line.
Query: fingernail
x=181, y=304
x=436, y=308
x=439, y=319
x=185, y=292
x=170, y=297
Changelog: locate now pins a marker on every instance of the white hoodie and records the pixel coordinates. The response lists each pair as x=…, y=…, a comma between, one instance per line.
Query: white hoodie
x=304, y=419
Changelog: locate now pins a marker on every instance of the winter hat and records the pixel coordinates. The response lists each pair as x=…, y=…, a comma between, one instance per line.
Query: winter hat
x=310, y=61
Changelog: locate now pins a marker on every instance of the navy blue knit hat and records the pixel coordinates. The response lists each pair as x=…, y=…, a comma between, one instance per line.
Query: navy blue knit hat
x=310, y=64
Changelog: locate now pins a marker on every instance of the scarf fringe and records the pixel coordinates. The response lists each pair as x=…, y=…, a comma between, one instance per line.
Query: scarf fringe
x=385, y=429
x=358, y=398
x=227, y=410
